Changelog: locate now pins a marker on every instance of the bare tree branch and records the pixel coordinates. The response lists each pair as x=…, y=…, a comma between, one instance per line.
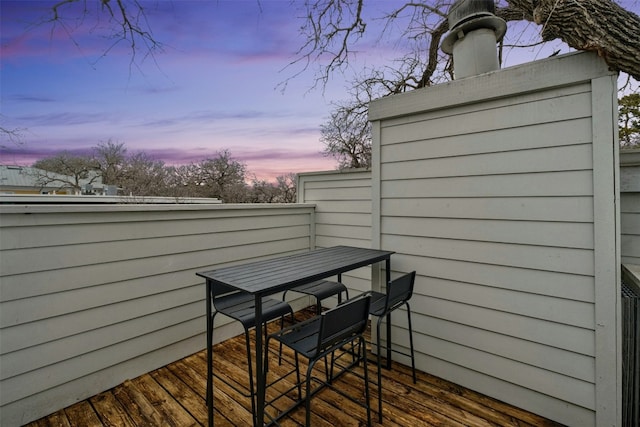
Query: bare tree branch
x=128, y=22
x=595, y=25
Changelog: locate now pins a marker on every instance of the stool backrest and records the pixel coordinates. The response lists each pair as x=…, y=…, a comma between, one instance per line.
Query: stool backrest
x=400, y=290
x=343, y=322
x=220, y=289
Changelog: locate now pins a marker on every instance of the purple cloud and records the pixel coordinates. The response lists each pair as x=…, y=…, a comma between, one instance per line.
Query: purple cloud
x=30, y=98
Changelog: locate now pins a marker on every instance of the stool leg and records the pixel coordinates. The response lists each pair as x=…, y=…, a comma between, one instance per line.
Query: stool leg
x=389, y=340
x=251, y=389
x=379, y=368
x=298, y=381
x=413, y=360
x=210, y=372
x=361, y=345
x=307, y=397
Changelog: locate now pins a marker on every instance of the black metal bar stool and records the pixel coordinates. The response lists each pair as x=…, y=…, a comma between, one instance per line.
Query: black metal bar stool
x=319, y=337
x=321, y=290
x=240, y=306
x=399, y=292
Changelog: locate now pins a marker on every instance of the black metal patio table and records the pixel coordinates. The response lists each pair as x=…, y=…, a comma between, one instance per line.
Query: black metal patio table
x=274, y=275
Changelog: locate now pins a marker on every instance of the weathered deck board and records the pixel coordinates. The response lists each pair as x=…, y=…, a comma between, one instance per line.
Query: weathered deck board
x=111, y=411
x=83, y=414
x=175, y=396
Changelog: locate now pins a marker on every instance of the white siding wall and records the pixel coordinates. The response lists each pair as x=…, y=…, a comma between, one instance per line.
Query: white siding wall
x=630, y=206
x=500, y=191
x=93, y=295
x=343, y=214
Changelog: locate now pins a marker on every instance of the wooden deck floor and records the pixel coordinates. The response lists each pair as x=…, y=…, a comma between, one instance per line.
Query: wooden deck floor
x=174, y=395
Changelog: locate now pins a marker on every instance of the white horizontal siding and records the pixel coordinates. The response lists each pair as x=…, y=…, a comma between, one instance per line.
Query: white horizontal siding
x=570, y=103
x=508, y=347
x=542, y=282
x=343, y=214
x=536, y=402
x=566, y=209
x=630, y=206
x=545, y=233
x=498, y=140
x=491, y=198
x=566, y=158
x=551, y=184
x=93, y=295
x=560, y=260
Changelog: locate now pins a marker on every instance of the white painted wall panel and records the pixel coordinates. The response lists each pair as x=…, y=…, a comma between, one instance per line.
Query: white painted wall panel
x=488, y=188
x=570, y=103
x=549, y=184
x=553, y=284
x=343, y=215
x=572, y=157
x=561, y=260
x=630, y=206
x=93, y=295
x=542, y=233
x=498, y=140
x=510, y=347
x=568, y=209
x=570, y=338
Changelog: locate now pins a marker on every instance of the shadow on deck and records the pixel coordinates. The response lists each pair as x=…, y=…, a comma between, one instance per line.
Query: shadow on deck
x=174, y=395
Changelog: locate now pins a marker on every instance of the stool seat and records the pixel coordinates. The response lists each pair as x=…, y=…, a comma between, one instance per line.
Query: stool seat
x=321, y=290
x=378, y=300
x=242, y=307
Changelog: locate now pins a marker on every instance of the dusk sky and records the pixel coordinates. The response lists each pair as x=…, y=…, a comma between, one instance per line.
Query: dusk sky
x=213, y=86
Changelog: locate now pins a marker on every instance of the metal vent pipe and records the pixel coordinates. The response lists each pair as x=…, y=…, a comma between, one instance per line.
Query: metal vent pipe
x=474, y=31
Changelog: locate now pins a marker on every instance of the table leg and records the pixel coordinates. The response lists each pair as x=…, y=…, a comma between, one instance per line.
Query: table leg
x=258, y=419
x=209, y=358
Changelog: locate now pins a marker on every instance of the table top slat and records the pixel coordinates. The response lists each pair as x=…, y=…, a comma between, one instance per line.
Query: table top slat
x=273, y=275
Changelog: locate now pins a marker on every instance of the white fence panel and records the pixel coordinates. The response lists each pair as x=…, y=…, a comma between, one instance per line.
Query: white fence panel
x=93, y=295
x=500, y=191
x=343, y=214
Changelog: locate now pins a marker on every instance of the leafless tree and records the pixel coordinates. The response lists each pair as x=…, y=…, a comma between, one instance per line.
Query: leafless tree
x=220, y=176
x=262, y=191
x=282, y=191
x=138, y=174
x=66, y=170
x=287, y=188
x=595, y=25
x=346, y=136
x=141, y=175
x=11, y=135
x=111, y=159
x=126, y=22
x=333, y=29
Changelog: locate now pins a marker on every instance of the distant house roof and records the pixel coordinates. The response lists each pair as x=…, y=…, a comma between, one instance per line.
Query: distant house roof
x=23, y=179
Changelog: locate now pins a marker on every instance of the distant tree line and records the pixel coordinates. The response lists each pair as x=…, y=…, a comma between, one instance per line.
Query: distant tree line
x=220, y=176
